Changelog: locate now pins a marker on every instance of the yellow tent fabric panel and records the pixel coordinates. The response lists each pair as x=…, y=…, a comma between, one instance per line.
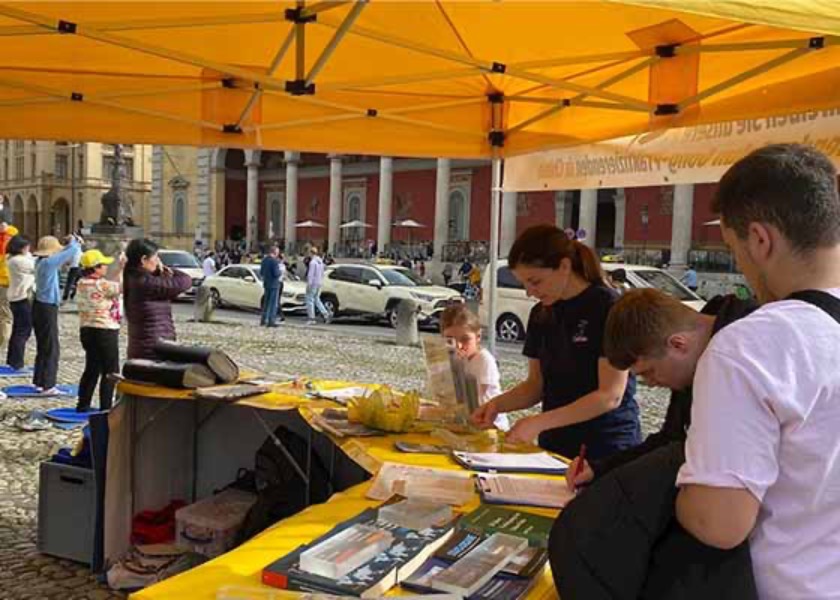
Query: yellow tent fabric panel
x=417, y=78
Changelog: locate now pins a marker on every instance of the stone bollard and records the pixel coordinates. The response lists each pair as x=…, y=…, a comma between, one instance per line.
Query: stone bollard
x=204, y=306
x=407, y=332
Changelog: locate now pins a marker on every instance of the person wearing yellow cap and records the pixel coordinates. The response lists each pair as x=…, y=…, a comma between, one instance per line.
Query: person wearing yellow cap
x=98, y=301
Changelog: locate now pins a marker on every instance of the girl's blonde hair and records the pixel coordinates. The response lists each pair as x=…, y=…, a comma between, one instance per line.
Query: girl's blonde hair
x=458, y=315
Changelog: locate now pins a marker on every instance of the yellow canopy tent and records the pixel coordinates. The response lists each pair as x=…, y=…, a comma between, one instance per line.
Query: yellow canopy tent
x=420, y=78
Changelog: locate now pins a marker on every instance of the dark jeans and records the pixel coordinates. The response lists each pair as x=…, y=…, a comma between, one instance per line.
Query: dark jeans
x=102, y=356
x=73, y=276
x=45, y=324
x=271, y=305
x=21, y=332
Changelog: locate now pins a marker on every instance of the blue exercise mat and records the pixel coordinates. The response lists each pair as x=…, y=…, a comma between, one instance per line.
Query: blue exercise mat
x=67, y=416
x=7, y=371
x=27, y=390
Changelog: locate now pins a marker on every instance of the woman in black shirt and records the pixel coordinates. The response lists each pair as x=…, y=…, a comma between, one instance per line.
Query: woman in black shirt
x=584, y=399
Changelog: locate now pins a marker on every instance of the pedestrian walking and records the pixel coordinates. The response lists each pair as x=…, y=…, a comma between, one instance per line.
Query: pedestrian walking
x=99, y=328
x=73, y=276
x=51, y=257
x=21, y=265
x=447, y=274
x=209, y=264
x=270, y=274
x=314, y=279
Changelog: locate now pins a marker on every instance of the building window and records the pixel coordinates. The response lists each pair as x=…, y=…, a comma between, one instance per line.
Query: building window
x=19, y=172
x=18, y=146
x=179, y=217
x=32, y=165
x=61, y=162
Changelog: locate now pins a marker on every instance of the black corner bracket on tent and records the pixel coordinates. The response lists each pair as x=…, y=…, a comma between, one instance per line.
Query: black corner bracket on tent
x=298, y=15
x=667, y=50
x=496, y=98
x=77, y=96
x=816, y=43
x=231, y=128
x=228, y=82
x=66, y=27
x=372, y=112
x=497, y=138
x=298, y=87
x=498, y=67
x=666, y=109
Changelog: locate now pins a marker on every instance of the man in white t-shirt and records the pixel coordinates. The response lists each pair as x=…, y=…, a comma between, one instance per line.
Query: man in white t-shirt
x=763, y=450
x=209, y=265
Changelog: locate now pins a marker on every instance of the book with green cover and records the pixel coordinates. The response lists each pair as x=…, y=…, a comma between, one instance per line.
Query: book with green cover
x=496, y=519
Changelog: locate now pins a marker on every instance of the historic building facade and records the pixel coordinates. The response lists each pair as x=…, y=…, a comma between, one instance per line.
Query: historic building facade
x=52, y=186
x=349, y=203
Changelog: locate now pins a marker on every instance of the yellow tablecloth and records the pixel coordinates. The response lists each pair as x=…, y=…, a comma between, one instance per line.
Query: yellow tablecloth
x=243, y=566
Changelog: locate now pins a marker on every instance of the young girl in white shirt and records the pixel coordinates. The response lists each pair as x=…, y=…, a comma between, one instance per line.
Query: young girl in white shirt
x=462, y=331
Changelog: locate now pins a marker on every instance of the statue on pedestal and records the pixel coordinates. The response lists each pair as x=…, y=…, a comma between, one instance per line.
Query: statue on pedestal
x=116, y=210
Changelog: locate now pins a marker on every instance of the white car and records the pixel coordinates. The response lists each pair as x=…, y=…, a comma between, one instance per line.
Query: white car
x=513, y=306
x=376, y=291
x=241, y=286
x=185, y=262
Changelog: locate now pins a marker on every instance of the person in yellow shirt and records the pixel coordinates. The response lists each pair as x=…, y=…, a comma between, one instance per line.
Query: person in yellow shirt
x=7, y=232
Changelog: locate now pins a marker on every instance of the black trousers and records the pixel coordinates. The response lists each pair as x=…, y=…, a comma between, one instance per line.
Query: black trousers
x=21, y=332
x=102, y=356
x=73, y=276
x=45, y=324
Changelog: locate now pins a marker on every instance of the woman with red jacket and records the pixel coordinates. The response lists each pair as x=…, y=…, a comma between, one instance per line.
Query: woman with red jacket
x=149, y=289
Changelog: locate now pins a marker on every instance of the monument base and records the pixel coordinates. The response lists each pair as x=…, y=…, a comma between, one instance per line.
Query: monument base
x=109, y=238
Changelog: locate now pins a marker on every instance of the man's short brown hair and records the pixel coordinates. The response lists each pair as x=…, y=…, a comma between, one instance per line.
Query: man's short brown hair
x=640, y=323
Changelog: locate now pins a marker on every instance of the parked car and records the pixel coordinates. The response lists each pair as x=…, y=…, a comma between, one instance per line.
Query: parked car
x=513, y=306
x=241, y=286
x=186, y=262
x=376, y=291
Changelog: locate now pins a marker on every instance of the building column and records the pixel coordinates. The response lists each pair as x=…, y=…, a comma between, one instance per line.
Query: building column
x=620, y=218
x=681, y=225
x=444, y=167
x=386, y=187
x=588, y=220
x=508, y=226
x=562, y=210
x=334, y=229
x=290, y=235
x=252, y=163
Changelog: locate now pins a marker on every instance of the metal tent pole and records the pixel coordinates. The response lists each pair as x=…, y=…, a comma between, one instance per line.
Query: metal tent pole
x=495, y=215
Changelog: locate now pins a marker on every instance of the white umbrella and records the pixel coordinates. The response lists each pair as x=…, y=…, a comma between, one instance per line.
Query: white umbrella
x=354, y=224
x=712, y=222
x=309, y=225
x=408, y=223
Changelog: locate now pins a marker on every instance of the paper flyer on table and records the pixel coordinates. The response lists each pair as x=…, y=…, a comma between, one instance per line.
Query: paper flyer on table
x=449, y=487
x=526, y=491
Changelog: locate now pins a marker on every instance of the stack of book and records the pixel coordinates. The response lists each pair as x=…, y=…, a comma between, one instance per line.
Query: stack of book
x=490, y=553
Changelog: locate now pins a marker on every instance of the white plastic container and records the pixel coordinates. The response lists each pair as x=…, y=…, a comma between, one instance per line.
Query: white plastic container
x=209, y=526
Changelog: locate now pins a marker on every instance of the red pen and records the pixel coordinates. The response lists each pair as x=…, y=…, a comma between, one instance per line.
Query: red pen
x=581, y=460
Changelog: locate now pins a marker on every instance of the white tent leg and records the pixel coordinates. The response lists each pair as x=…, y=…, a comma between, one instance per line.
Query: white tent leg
x=495, y=215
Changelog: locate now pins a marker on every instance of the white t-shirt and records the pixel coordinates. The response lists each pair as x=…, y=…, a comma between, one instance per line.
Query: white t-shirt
x=483, y=367
x=766, y=418
x=209, y=266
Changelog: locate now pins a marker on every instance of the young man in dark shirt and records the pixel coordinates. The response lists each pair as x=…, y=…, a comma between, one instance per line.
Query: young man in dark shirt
x=660, y=339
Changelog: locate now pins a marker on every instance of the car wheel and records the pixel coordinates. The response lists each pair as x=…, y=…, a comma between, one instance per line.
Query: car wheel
x=330, y=303
x=509, y=328
x=391, y=315
x=217, y=297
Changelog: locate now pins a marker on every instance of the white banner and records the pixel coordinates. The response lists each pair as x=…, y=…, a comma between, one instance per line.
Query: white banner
x=685, y=155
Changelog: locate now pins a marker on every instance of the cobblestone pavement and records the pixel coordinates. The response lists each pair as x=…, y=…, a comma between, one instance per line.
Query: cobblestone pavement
x=321, y=352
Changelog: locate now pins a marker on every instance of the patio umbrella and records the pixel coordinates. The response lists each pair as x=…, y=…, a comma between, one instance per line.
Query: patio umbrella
x=309, y=225
x=355, y=224
x=712, y=223
x=409, y=224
